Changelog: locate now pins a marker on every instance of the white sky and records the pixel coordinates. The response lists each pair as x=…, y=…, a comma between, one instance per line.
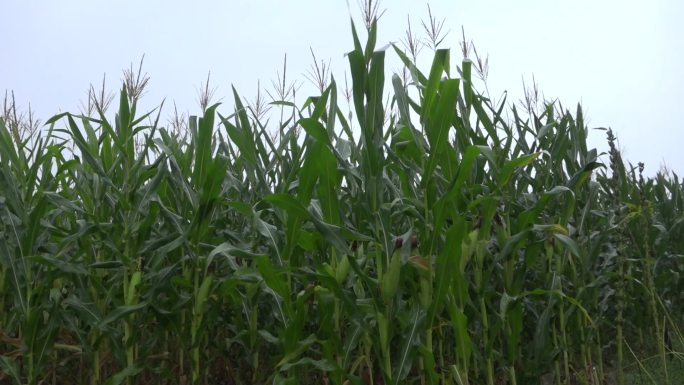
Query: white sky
x=622, y=59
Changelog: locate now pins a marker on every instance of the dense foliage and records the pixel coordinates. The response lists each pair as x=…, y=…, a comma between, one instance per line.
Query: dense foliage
x=439, y=238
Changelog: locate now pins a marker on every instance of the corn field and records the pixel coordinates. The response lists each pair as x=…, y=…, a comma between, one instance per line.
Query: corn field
x=426, y=235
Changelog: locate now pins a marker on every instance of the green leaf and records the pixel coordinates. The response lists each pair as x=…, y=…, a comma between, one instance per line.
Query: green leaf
x=439, y=122
x=229, y=250
x=120, y=312
x=203, y=150
x=288, y=203
x=87, y=311
x=322, y=365
x=106, y=265
x=61, y=265
x=121, y=376
x=446, y=268
x=10, y=368
x=459, y=321
x=272, y=277
x=408, y=349
x=510, y=166
x=568, y=242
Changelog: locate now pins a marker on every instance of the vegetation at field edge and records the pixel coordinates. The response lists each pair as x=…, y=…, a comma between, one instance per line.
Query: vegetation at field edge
x=424, y=235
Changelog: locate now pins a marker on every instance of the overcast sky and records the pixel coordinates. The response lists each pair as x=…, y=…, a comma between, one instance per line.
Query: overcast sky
x=622, y=59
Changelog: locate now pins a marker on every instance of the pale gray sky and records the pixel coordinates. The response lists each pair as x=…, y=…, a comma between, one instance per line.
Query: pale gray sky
x=622, y=59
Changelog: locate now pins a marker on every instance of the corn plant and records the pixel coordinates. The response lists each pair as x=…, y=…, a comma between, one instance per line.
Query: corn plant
x=422, y=234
